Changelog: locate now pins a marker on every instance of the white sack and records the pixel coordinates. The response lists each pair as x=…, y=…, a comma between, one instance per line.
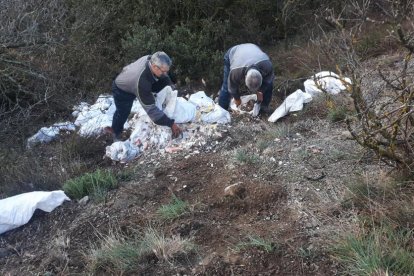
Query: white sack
x=47, y=134
x=293, y=102
x=328, y=81
x=244, y=100
x=184, y=111
x=202, y=102
x=122, y=151
x=17, y=210
x=219, y=115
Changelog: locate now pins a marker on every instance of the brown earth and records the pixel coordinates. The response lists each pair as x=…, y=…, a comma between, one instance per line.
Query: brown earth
x=291, y=194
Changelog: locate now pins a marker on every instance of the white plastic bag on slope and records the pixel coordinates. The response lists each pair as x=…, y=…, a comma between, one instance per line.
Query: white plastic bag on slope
x=47, y=134
x=17, y=210
x=219, y=115
x=294, y=102
x=95, y=126
x=122, y=151
x=165, y=100
x=174, y=107
x=328, y=81
x=184, y=111
x=244, y=100
x=202, y=102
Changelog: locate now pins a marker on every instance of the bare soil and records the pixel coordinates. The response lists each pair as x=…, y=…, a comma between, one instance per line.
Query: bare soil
x=291, y=195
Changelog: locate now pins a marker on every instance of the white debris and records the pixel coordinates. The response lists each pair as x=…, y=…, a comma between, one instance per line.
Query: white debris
x=293, y=102
x=47, y=134
x=123, y=151
x=328, y=81
x=17, y=210
x=324, y=81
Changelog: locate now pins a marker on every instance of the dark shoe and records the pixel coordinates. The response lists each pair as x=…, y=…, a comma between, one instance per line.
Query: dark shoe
x=110, y=131
x=266, y=110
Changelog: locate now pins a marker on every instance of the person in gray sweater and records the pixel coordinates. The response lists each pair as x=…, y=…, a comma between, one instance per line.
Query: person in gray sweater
x=141, y=79
x=247, y=63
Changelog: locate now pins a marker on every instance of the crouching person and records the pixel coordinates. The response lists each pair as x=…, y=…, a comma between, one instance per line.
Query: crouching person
x=141, y=79
x=247, y=63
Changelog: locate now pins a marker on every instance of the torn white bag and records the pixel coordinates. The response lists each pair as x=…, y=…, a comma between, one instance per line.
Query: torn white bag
x=328, y=81
x=17, y=210
x=293, y=102
x=122, y=151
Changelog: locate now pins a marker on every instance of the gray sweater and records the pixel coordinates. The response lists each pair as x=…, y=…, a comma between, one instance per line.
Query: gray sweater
x=137, y=78
x=242, y=58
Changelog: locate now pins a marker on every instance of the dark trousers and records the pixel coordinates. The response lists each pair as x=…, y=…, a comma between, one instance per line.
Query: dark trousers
x=224, y=96
x=123, y=102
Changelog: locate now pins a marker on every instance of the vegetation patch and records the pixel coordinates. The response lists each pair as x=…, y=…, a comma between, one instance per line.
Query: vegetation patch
x=118, y=254
x=173, y=210
x=96, y=184
x=257, y=242
x=381, y=250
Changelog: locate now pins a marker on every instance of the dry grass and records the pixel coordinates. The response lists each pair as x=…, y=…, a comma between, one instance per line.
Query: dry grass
x=117, y=253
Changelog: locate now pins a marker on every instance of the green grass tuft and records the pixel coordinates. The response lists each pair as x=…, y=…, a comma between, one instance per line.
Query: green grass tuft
x=118, y=254
x=254, y=241
x=242, y=156
x=95, y=184
x=173, y=210
x=380, y=249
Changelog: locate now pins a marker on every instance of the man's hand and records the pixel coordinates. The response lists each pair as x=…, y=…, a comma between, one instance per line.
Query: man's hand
x=259, y=96
x=176, y=130
x=237, y=102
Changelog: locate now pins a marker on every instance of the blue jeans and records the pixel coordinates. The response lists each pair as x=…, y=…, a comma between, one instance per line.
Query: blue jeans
x=123, y=102
x=224, y=96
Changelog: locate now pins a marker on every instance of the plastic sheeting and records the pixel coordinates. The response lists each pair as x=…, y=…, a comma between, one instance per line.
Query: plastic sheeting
x=328, y=81
x=17, y=210
x=48, y=134
x=324, y=81
x=293, y=102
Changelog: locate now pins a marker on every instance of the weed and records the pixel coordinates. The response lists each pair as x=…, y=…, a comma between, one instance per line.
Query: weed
x=280, y=130
x=173, y=210
x=337, y=114
x=118, y=254
x=242, y=156
x=96, y=184
x=263, y=144
x=254, y=241
x=380, y=249
x=114, y=253
x=164, y=248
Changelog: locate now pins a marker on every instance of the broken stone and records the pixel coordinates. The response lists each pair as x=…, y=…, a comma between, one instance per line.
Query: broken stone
x=84, y=200
x=346, y=135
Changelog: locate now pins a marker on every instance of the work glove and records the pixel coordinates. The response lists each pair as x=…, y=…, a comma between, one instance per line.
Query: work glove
x=259, y=96
x=176, y=131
